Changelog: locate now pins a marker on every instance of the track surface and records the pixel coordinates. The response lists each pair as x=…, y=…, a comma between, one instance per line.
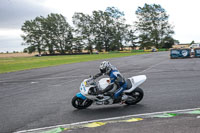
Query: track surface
x=42, y=97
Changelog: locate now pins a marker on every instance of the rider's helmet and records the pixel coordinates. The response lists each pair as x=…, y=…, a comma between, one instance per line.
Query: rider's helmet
x=105, y=67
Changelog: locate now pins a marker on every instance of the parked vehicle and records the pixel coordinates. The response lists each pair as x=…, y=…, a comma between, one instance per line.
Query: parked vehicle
x=196, y=45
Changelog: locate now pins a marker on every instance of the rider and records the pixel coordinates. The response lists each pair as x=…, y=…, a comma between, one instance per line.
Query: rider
x=115, y=78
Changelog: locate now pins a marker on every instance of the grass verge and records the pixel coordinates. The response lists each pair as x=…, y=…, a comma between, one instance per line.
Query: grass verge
x=11, y=64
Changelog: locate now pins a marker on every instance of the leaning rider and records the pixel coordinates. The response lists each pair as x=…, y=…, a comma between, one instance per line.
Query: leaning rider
x=115, y=78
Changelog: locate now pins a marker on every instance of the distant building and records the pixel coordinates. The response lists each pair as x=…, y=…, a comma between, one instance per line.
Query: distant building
x=183, y=45
x=195, y=45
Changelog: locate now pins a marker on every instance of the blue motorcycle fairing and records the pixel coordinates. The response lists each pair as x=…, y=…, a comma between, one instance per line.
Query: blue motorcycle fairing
x=79, y=95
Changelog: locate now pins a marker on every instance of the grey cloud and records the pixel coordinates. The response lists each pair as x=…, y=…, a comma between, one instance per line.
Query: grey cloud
x=13, y=13
x=11, y=44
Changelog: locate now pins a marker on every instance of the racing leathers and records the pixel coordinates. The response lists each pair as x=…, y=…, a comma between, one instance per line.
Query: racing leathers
x=115, y=78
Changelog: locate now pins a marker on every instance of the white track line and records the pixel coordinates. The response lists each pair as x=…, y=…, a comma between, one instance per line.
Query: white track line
x=72, y=76
x=152, y=66
x=106, y=119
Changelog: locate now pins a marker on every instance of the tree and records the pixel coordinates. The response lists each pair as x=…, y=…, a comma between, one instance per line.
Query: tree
x=60, y=32
x=120, y=30
x=152, y=25
x=25, y=50
x=49, y=33
x=82, y=23
x=69, y=41
x=48, y=36
x=108, y=29
x=193, y=42
x=33, y=35
x=168, y=42
x=102, y=30
x=114, y=12
x=131, y=38
x=78, y=44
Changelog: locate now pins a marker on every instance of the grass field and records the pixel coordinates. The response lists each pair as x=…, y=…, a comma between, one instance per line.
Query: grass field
x=16, y=55
x=11, y=64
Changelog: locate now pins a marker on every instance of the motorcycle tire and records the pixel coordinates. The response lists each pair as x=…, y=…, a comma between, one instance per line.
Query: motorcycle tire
x=80, y=103
x=137, y=95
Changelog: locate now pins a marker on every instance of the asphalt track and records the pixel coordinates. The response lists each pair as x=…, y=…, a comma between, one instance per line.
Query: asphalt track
x=42, y=97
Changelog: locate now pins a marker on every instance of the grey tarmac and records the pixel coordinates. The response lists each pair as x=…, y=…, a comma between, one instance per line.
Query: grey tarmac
x=42, y=97
x=179, y=124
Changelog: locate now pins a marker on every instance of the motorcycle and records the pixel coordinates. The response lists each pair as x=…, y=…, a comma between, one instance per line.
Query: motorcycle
x=89, y=92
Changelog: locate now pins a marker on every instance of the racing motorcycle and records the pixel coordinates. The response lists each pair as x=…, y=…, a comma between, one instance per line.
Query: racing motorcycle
x=89, y=92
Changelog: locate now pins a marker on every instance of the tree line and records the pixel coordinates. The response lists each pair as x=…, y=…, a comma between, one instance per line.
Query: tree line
x=102, y=30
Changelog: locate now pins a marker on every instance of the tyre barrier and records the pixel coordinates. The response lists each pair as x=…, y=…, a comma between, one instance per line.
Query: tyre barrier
x=180, y=53
x=197, y=52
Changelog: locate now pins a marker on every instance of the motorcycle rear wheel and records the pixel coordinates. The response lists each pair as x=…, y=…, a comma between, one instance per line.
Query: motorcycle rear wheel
x=137, y=96
x=80, y=103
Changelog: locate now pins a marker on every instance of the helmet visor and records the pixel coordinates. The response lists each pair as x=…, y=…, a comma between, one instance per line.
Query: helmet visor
x=103, y=70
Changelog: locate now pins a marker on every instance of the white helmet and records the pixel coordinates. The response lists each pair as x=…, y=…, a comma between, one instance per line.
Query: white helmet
x=105, y=67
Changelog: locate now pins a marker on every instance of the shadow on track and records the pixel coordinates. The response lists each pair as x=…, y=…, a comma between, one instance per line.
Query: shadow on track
x=100, y=112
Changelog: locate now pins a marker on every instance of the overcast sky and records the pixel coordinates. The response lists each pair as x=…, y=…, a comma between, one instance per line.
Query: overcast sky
x=184, y=15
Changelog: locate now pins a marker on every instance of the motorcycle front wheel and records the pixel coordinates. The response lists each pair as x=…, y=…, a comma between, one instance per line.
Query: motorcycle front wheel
x=135, y=96
x=80, y=103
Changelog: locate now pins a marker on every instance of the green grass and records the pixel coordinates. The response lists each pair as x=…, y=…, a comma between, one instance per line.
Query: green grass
x=137, y=50
x=23, y=63
x=163, y=49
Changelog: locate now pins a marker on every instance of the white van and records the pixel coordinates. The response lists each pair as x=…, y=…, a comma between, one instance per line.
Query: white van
x=196, y=45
